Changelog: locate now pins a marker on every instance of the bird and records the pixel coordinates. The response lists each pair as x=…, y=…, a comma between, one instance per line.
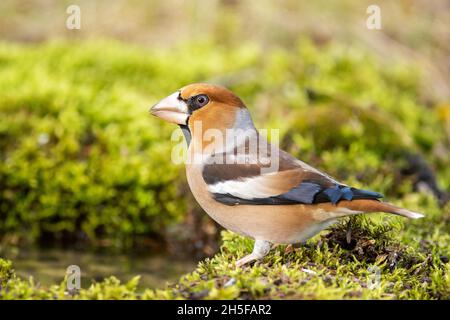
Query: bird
x=249, y=185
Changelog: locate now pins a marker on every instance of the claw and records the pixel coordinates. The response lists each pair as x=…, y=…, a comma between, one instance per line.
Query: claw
x=260, y=249
x=247, y=259
x=289, y=249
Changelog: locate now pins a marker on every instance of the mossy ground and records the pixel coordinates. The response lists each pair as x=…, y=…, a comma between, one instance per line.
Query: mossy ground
x=412, y=258
x=358, y=258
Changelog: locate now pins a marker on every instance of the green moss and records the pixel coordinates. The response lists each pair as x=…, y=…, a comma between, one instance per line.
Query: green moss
x=6, y=271
x=411, y=256
x=328, y=267
x=82, y=160
x=338, y=264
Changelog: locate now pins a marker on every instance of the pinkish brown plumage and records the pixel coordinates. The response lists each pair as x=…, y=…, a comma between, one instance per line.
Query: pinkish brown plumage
x=284, y=203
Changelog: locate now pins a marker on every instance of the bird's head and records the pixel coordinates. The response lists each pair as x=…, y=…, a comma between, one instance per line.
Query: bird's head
x=215, y=107
x=211, y=117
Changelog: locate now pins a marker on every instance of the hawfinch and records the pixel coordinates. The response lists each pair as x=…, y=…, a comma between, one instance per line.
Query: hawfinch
x=247, y=184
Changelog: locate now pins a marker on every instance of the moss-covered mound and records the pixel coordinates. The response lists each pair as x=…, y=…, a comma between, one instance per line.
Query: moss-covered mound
x=80, y=159
x=361, y=259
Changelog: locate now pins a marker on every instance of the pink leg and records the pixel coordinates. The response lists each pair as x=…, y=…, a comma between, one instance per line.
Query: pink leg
x=260, y=250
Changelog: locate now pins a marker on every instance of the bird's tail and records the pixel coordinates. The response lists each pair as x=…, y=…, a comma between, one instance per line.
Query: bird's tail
x=404, y=212
x=379, y=206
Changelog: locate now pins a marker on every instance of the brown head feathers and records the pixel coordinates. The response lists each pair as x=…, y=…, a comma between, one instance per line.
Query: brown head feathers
x=215, y=93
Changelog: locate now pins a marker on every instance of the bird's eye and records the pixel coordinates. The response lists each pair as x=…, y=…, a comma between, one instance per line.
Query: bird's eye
x=201, y=100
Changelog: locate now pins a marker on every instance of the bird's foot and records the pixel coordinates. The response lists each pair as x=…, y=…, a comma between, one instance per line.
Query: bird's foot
x=289, y=249
x=247, y=259
x=260, y=250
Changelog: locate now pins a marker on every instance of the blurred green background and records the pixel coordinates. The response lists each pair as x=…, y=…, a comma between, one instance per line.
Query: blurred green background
x=83, y=165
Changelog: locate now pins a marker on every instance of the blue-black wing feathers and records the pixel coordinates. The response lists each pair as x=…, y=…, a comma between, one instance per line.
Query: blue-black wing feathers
x=307, y=185
x=307, y=193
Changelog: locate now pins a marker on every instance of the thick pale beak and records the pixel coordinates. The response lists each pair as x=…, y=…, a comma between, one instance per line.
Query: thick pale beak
x=171, y=109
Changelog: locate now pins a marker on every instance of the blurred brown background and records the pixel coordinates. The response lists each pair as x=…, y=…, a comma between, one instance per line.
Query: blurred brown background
x=411, y=30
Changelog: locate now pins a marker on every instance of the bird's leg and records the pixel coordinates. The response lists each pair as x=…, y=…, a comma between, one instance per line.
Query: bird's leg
x=260, y=249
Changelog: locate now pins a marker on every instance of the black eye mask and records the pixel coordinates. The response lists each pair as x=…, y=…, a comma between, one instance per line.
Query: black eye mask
x=193, y=103
x=196, y=102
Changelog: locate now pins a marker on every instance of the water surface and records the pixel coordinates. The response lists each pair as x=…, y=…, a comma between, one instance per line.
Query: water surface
x=48, y=266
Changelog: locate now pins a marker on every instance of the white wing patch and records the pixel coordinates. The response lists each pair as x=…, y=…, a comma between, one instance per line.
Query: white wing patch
x=248, y=188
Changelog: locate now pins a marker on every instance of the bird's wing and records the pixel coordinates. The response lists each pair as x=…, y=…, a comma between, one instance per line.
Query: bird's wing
x=293, y=182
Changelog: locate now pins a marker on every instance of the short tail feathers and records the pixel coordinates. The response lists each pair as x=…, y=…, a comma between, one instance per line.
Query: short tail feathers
x=407, y=213
x=379, y=206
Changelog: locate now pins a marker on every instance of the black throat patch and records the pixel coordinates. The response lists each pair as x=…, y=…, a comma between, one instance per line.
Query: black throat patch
x=186, y=132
